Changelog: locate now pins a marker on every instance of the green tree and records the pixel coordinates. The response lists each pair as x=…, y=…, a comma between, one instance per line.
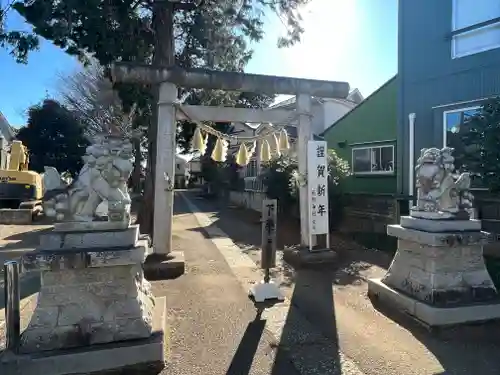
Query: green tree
x=476, y=145
x=282, y=181
x=19, y=43
x=54, y=138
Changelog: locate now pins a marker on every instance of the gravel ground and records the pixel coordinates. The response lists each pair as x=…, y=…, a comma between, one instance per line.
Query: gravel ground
x=335, y=301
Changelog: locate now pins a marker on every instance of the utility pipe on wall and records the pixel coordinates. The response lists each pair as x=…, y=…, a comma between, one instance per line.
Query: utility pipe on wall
x=411, y=159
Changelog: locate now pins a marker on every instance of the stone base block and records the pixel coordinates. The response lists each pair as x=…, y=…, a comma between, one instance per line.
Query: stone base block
x=430, y=315
x=440, y=215
x=16, y=216
x=85, y=226
x=439, y=238
x=304, y=257
x=440, y=226
x=101, y=299
x=164, y=267
x=90, y=239
x=62, y=259
x=136, y=355
x=441, y=276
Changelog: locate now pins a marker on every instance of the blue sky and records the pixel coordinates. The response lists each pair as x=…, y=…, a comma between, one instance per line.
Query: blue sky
x=345, y=40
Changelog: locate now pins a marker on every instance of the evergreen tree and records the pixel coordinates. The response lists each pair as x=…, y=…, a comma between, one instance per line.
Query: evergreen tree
x=54, y=138
x=476, y=145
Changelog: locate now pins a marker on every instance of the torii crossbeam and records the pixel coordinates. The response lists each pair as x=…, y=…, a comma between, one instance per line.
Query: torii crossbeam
x=169, y=78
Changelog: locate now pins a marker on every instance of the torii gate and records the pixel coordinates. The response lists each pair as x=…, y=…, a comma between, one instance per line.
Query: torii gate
x=170, y=77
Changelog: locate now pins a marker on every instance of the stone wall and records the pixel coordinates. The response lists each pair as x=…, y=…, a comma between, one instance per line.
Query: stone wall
x=248, y=199
x=488, y=211
x=363, y=213
x=370, y=213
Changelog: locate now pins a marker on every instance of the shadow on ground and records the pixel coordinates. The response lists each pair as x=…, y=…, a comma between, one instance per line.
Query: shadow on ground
x=241, y=363
x=313, y=353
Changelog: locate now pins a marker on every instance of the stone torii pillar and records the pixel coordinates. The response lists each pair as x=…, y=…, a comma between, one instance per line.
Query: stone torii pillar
x=173, y=77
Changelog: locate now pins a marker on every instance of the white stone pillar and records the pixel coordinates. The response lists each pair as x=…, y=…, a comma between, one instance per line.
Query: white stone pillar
x=304, y=135
x=165, y=164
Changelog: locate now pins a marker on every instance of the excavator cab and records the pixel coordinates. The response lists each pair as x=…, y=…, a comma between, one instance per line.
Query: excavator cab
x=19, y=187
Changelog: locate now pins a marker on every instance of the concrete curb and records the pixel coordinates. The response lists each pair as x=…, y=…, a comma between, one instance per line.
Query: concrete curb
x=309, y=351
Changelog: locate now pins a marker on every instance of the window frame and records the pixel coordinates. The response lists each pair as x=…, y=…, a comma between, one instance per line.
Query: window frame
x=461, y=109
x=248, y=168
x=445, y=113
x=457, y=33
x=377, y=173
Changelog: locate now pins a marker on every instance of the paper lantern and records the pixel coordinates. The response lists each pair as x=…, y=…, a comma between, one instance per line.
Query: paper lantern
x=274, y=144
x=265, y=151
x=199, y=143
x=283, y=140
x=220, y=150
x=243, y=156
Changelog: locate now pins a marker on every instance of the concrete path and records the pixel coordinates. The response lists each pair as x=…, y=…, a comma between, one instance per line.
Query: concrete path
x=337, y=304
x=215, y=327
x=211, y=320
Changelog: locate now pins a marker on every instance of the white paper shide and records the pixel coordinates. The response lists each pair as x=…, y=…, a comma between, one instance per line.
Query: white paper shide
x=317, y=182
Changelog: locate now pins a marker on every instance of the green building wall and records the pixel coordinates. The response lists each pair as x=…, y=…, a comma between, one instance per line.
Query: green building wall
x=372, y=123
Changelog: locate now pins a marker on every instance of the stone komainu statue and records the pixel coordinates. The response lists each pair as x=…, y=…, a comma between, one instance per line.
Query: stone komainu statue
x=442, y=193
x=103, y=178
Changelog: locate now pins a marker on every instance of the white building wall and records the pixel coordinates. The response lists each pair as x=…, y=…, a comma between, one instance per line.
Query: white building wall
x=318, y=119
x=333, y=111
x=181, y=166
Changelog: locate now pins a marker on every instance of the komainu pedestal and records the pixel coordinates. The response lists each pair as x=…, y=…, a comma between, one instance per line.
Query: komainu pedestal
x=438, y=274
x=92, y=291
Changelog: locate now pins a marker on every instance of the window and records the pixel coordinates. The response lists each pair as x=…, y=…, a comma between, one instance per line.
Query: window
x=475, y=27
x=376, y=160
x=253, y=184
x=453, y=120
x=251, y=169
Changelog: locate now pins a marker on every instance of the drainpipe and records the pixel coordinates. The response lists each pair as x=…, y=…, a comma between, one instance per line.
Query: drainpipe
x=411, y=150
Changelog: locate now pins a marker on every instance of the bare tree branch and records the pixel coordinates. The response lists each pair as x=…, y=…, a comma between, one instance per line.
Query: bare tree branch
x=90, y=95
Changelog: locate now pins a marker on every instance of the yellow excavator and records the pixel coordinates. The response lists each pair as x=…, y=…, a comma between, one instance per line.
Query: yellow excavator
x=20, y=189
